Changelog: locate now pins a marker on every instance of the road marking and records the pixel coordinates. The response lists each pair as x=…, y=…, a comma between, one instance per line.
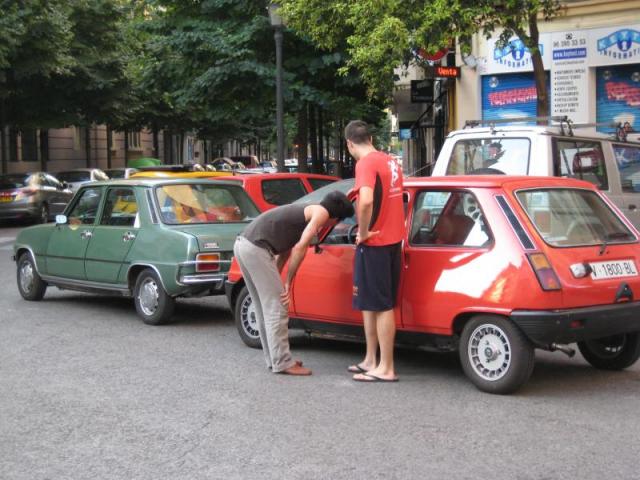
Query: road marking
x=7, y=239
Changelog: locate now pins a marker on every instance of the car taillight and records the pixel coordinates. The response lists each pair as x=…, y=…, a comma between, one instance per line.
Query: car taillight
x=26, y=192
x=207, y=262
x=544, y=271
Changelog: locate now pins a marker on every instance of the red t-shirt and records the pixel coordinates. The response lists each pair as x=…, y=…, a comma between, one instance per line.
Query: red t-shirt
x=382, y=173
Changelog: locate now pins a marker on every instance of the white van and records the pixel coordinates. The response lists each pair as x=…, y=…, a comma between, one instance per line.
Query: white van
x=610, y=163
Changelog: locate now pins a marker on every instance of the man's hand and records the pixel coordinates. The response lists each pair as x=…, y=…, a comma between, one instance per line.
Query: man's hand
x=366, y=235
x=285, y=296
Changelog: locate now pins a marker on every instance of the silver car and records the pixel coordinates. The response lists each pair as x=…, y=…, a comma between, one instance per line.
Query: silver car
x=37, y=196
x=117, y=173
x=79, y=176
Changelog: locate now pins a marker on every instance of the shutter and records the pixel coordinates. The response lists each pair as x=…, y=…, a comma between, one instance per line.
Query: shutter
x=509, y=96
x=618, y=96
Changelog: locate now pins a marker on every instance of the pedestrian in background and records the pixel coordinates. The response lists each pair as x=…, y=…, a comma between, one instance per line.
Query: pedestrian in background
x=376, y=270
x=281, y=234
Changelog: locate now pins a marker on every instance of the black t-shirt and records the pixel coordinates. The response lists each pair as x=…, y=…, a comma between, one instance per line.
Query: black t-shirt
x=278, y=229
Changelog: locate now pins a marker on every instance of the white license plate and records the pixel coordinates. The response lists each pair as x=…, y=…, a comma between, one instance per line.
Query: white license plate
x=618, y=268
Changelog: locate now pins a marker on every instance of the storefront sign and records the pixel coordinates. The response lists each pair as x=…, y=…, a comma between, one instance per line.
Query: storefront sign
x=421, y=91
x=614, y=45
x=515, y=56
x=440, y=71
x=569, y=75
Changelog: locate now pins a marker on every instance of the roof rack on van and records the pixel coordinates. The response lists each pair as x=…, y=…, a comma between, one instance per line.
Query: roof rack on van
x=564, y=123
x=562, y=119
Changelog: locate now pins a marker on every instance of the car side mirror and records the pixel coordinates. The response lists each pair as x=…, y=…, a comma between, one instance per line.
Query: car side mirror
x=61, y=219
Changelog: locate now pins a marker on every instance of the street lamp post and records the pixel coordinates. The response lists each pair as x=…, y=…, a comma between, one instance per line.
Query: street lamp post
x=277, y=24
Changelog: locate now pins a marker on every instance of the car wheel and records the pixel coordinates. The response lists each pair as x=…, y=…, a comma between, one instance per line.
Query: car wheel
x=30, y=285
x=153, y=304
x=495, y=354
x=246, y=320
x=612, y=353
x=43, y=215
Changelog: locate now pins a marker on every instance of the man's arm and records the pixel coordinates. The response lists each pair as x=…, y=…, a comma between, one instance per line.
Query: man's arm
x=364, y=212
x=282, y=259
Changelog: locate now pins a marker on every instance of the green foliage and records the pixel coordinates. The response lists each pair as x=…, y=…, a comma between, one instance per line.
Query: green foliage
x=380, y=34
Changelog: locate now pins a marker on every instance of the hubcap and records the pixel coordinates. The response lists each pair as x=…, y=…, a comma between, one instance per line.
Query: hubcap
x=148, y=297
x=248, y=317
x=26, y=277
x=489, y=352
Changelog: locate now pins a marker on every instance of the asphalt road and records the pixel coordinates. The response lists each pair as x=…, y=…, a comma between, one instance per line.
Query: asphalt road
x=87, y=391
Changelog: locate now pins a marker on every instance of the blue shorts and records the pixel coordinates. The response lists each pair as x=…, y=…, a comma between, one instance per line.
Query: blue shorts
x=376, y=276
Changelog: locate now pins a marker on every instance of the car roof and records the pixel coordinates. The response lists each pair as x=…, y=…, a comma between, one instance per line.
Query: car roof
x=574, y=132
x=496, y=181
x=283, y=175
x=152, y=182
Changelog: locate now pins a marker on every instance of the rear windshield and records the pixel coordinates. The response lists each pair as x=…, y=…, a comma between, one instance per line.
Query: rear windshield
x=573, y=217
x=200, y=203
x=489, y=156
x=73, y=177
x=282, y=191
x=15, y=181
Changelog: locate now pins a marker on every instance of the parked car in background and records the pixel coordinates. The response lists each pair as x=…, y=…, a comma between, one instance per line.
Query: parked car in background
x=609, y=162
x=77, y=177
x=178, y=174
x=270, y=190
x=153, y=240
x=249, y=161
x=492, y=266
x=36, y=196
x=118, y=173
x=225, y=164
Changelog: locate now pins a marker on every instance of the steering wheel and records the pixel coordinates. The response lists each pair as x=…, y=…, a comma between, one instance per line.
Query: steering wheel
x=352, y=232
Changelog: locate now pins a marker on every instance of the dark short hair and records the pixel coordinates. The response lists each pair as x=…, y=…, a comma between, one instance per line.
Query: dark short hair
x=358, y=132
x=337, y=204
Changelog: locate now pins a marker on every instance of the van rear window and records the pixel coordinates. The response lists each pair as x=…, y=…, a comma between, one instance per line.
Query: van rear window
x=490, y=156
x=572, y=217
x=580, y=159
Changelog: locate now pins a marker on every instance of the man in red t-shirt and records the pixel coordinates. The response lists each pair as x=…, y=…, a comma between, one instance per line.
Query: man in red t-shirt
x=376, y=270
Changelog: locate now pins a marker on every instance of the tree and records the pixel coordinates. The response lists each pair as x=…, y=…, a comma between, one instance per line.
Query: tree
x=377, y=47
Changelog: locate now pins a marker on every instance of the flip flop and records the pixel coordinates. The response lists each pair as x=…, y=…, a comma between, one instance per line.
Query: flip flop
x=368, y=378
x=356, y=369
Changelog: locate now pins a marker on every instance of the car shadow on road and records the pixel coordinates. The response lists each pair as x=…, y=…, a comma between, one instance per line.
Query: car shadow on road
x=200, y=311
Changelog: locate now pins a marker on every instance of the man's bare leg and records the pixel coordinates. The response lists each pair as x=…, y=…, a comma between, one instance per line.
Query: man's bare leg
x=371, y=336
x=386, y=332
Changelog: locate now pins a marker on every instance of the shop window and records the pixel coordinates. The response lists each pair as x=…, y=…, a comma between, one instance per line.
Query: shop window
x=628, y=162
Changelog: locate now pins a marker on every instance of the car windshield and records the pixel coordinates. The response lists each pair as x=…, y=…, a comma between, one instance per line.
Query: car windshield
x=317, y=195
x=203, y=203
x=15, y=181
x=490, y=155
x=73, y=177
x=573, y=217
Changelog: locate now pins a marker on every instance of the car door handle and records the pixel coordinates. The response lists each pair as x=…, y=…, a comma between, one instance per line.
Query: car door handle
x=86, y=234
x=128, y=237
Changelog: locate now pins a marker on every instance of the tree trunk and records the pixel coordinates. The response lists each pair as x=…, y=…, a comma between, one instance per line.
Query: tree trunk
x=3, y=138
x=13, y=144
x=313, y=137
x=126, y=147
x=542, y=106
x=320, y=166
x=156, y=143
x=109, y=140
x=181, y=150
x=87, y=145
x=44, y=149
x=302, y=140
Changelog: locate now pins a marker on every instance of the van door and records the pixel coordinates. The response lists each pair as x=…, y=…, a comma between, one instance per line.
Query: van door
x=627, y=161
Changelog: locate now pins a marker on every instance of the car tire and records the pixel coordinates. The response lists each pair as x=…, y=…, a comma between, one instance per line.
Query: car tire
x=43, y=214
x=245, y=318
x=30, y=285
x=495, y=355
x=153, y=304
x=616, y=352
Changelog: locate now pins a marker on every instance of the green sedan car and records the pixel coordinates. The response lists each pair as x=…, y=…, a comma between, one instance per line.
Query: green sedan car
x=151, y=239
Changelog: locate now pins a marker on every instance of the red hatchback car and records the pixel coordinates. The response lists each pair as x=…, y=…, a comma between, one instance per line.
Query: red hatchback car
x=494, y=267
x=269, y=190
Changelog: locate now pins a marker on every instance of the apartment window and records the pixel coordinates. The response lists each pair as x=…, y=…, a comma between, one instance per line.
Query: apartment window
x=134, y=141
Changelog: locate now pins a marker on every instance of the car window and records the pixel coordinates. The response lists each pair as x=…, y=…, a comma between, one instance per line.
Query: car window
x=202, y=203
x=344, y=232
x=73, y=177
x=580, y=159
x=571, y=217
x=490, y=155
x=282, y=191
x=85, y=208
x=628, y=162
x=120, y=208
x=52, y=181
x=448, y=218
x=317, y=183
x=15, y=181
